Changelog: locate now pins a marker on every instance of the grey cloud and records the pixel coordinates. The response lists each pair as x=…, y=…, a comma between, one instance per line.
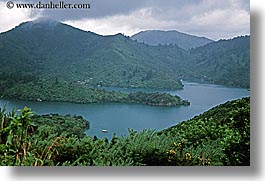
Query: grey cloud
x=103, y=8
x=180, y=10
x=189, y=16
x=99, y=8
x=185, y=13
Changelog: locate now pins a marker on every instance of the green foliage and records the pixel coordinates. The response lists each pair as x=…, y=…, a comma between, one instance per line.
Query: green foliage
x=160, y=99
x=15, y=129
x=57, y=125
x=28, y=139
x=220, y=136
x=227, y=124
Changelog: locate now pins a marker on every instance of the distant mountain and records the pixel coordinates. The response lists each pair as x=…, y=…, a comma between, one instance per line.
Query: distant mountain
x=183, y=40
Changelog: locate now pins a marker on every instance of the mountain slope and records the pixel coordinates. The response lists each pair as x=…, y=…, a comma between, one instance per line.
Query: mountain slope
x=52, y=49
x=156, y=37
x=224, y=62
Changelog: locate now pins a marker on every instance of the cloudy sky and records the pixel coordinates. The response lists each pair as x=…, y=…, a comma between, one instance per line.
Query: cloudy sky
x=214, y=19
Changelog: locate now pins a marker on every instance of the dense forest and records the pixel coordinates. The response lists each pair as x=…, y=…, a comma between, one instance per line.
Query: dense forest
x=27, y=87
x=224, y=62
x=52, y=50
x=220, y=136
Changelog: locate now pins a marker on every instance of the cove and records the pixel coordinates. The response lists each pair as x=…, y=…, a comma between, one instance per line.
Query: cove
x=119, y=117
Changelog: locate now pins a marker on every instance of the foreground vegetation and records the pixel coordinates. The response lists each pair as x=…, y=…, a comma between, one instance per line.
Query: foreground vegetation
x=220, y=136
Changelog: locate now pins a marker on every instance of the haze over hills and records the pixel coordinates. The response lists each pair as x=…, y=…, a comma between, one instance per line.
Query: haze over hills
x=52, y=50
x=183, y=40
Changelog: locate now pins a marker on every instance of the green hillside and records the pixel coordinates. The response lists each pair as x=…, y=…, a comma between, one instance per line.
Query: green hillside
x=52, y=49
x=224, y=62
x=220, y=136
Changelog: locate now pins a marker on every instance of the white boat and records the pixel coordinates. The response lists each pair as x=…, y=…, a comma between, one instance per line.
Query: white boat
x=104, y=131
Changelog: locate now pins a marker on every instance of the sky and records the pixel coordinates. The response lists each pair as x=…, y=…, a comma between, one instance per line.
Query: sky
x=215, y=19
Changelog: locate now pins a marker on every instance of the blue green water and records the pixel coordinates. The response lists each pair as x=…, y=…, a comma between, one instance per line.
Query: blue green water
x=119, y=117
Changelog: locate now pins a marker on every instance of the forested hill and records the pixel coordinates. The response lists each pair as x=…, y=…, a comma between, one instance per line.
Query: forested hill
x=224, y=62
x=183, y=40
x=52, y=50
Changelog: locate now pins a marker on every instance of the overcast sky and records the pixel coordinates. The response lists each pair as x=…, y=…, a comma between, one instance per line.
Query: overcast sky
x=214, y=19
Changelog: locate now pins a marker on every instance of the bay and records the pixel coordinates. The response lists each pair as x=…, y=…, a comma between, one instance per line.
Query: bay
x=117, y=118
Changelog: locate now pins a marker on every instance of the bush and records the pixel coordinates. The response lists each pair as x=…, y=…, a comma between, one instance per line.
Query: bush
x=220, y=136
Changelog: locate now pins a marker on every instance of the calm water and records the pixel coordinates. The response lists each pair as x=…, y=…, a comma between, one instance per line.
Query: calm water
x=119, y=117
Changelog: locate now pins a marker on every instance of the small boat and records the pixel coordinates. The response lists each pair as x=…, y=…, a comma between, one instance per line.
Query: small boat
x=39, y=100
x=104, y=131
